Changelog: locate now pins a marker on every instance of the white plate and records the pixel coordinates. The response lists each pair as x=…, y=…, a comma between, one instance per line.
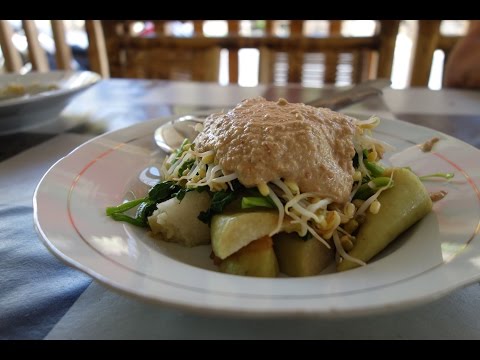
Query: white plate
x=20, y=113
x=439, y=254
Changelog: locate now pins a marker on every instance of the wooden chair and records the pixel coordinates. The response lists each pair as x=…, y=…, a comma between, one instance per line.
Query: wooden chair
x=161, y=56
x=63, y=54
x=429, y=39
x=304, y=56
x=197, y=57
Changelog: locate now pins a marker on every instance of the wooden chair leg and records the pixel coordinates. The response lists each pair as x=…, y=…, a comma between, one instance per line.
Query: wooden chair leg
x=63, y=53
x=233, y=68
x=13, y=61
x=331, y=57
x=97, y=51
x=388, y=38
x=266, y=67
x=427, y=40
x=36, y=53
x=295, y=57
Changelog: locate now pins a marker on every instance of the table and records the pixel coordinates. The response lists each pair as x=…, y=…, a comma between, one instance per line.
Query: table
x=42, y=298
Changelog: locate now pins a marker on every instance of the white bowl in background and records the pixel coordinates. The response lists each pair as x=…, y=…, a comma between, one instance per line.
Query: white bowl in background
x=31, y=110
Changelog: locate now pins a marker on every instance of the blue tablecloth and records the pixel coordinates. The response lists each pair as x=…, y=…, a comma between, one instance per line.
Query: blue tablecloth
x=36, y=289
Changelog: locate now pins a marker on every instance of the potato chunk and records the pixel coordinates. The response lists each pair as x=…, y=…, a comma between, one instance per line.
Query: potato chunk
x=401, y=207
x=231, y=232
x=234, y=230
x=298, y=257
x=255, y=259
x=176, y=221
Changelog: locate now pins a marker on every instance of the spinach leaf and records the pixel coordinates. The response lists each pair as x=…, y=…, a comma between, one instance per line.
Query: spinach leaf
x=220, y=199
x=128, y=219
x=144, y=210
x=146, y=206
x=180, y=194
x=257, y=201
x=124, y=207
x=162, y=191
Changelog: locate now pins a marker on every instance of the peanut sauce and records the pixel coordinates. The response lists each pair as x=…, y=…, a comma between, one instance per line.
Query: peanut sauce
x=262, y=141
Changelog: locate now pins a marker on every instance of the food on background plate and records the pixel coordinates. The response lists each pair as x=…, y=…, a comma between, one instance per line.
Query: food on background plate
x=281, y=187
x=13, y=90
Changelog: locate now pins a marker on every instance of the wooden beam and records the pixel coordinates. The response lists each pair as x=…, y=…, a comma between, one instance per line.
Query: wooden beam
x=236, y=42
x=446, y=43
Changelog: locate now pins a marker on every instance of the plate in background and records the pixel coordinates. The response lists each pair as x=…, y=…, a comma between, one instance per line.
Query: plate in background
x=34, y=109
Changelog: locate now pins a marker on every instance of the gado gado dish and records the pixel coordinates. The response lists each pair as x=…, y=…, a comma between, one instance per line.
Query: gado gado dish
x=278, y=187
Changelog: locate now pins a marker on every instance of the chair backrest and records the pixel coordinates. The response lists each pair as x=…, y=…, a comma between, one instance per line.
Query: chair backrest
x=63, y=53
x=160, y=55
x=429, y=39
x=365, y=57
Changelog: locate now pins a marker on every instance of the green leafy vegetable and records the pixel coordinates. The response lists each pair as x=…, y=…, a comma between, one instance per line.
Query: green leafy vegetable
x=128, y=219
x=178, y=152
x=186, y=165
x=124, y=207
x=162, y=191
x=375, y=169
x=180, y=194
x=146, y=206
x=144, y=210
x=258, y=201
x=368, y=189
x=220, y=199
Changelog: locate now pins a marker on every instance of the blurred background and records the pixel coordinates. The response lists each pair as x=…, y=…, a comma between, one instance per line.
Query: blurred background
x=133, y=49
